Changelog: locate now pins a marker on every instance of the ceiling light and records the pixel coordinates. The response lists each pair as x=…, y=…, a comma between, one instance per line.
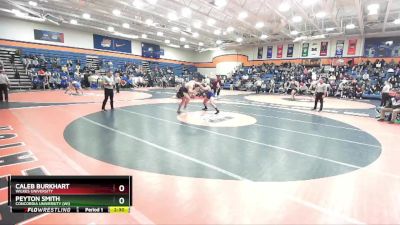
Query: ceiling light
x=152, y=2
x=138, y=4
x=284, y=7
x=116, y=12
x=396, y=21
x=259, y=25
x=149, y=22
x=125, y=25
x=172, y=16
x=294, y=32
x=373, y=7
x=174, y=46
x=182, y=39
x=175, y=29
x=186, y=46
x=159, y=33
x=197, y=24
x=309, y=2
x=372, y=12
x=217, y=32
x=224, y=33
x=188, y=29
x=201, y=44
x=321, y=14
x=297, y=19
x=186, y=12
x=218, y=42
x=350, y=26
x=195, y=34
x=86, y=16
x=73, y=22
x=220, y=3
x=243, y=15
x=144, y=35
x=239, y=39
x=330, y=29
x=264, y=36
x=211, y=22
x=230, y=29
x=167, y=41
x=111, y=29
x=32, y=3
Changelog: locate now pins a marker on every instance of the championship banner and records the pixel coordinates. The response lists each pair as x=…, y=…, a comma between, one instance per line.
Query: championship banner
x=45, y=35
x=315, y=48
x=339, y=48
x=111, y=44
x=260, y=52
x=290, y=50
x=324, y=49
x=269, y=52
x=280, y=51
x=351, y=50
x=304, y=52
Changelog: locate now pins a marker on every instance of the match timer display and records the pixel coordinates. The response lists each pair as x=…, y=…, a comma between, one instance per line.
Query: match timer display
x=70, y=194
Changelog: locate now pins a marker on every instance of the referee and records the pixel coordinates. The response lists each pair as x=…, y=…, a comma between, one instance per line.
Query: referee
x=4, y=84
x=108, y=91
x=320, y=92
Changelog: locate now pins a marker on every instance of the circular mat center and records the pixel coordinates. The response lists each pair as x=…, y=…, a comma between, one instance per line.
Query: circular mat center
x=210, y=119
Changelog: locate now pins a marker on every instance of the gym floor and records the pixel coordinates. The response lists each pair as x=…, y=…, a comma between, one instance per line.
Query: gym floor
x=263, y=160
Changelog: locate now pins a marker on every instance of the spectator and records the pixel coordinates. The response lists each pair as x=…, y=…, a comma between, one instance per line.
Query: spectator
x=4, y=85
x=394, y=109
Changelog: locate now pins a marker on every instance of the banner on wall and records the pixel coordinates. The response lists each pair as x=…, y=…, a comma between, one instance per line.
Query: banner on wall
x=269, y=52
x=382, y=47
x=260, y=52
x=45, y=35
x=161, y=51
x=280, y=51
x=339, y=48
x=290, y=50
x=304, y=51
x=111, y=44
x=314, y=49
x=351, y=50
x=324, y=49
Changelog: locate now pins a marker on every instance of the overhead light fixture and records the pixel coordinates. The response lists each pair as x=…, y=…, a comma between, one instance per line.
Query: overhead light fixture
x=73, y=22
x=149, y=22
x=175, y=29
x=373, y=7
x=297, y=19
x=211, y=22
x=239, y=39
x=32, y=3
x=220, y=3
x=182, y=39
x=131, y=36
x=86, y=16
x=125, y=25
x=224, y=33
x=144, y=35
x=217, y=32
x=167, y=41
x=111, y=29
x=294, y=32
x=186, y=12
x=152, y=2
x=174, y=46
x=230, y=29
x=243, y=15
x=195, y=34
x=201, y=44
x=284, y=7
x=350, y=26
x=116, y=12
x=172, y=16
x=259, y=25
x=372, y=12
x=218, y=42
x=197, y=24
x=321, y=14
x=186, y=46
x=159, y=33
x=330, y=29
x=188, y=29
x=138, y=4
x=396, y=21
x=264, y=36
x=309, y=2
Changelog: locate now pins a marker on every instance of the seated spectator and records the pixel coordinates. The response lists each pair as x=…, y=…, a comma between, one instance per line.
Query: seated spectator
x=394, y=109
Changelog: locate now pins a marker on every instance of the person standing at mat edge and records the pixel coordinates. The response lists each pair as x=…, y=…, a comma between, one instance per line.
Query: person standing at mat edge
x=4, y=84
x=108, y=91
x=320, y=91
